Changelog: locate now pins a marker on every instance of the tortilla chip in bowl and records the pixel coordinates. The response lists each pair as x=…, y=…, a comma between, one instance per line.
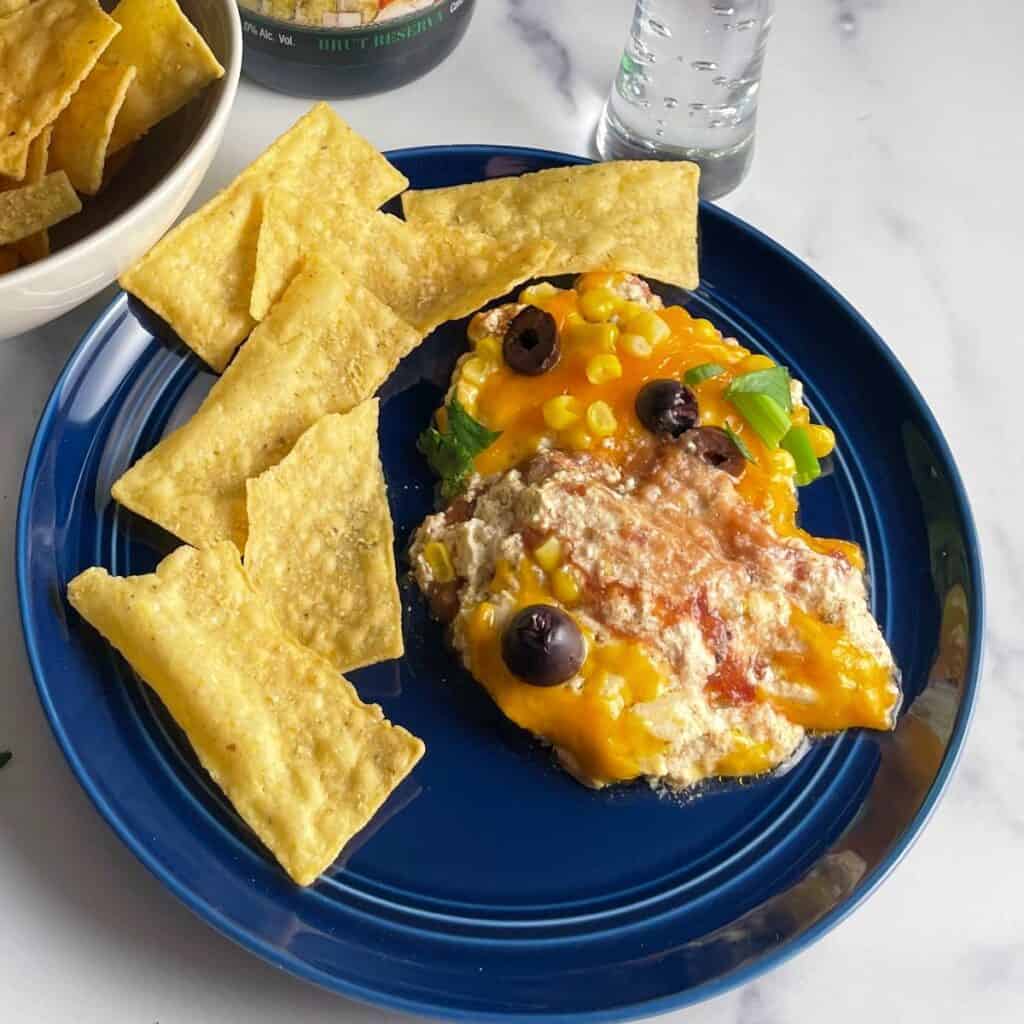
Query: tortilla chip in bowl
x=162, y=162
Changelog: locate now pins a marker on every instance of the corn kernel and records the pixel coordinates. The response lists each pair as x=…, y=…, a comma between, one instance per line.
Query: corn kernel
x=505, y=579
x=600, y=419
x=783, y=462
x=595, y=279
x=598, y=304
x=635, y=345
x=477, y=328
x=602, y=337
x=603, y=368
x=436, y=555
x=561, y=412
x=537, y=574
x=474, y=370
x=610, y=683
x=596, y=337
x=627, y=310
x=488, y=348
x=484, y=615
x=650, y=326
x=612, y=688
x=704, y=330
x=575, y=332
x=535, y=293
x=756, y=362
x=549, y=554
x=577, y=438
x=823, y=440
x=467, y=394
x=565, y=586
x=535, y=442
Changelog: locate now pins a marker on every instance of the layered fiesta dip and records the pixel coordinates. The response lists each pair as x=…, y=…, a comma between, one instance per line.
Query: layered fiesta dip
x=619, y=560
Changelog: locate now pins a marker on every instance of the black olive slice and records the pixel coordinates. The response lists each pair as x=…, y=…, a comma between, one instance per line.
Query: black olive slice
x=666, y=407
x=542, y=645
x=531, y=342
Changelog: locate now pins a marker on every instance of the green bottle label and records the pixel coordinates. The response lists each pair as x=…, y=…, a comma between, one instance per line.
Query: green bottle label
x=349, y=46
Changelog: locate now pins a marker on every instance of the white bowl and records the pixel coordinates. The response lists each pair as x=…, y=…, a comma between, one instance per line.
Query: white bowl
x=120, y=224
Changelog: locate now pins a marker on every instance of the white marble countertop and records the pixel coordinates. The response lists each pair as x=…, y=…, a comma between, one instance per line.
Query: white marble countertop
x=888, y=158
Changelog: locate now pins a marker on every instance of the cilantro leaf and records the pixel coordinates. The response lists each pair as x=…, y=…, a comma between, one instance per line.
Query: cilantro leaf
x=5, y=756
x=451, y=452
x=474, y=436
x=445, y=456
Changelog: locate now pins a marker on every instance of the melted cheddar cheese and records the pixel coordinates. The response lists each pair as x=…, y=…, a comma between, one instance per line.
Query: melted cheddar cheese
x=592, y=721
x=847, y=686
x=513, y=404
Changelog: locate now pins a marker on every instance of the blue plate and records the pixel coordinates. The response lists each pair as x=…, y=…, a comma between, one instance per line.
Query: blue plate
x=492, y=885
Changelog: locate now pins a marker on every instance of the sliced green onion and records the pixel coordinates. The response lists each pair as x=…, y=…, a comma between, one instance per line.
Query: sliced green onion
x=740, y=443
x=773, y=382
x=798, y=443
x=698, y=374
x=770, y=421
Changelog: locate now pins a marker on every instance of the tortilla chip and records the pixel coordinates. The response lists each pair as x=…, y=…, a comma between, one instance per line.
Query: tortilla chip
x=326, y=346
x=199, y=276
x=82, y=132
x=36, y=158
x=15, y=159
x=46, y=50
x=172, y=60
x=32, y=208
x=37, y=246
x=304, y=762
x=320, y=546
x=11, y=6
x=633, y=215
x=427, y=274
x=116, y=162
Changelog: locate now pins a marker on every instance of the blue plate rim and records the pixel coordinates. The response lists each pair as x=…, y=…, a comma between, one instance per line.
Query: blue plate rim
x=688, y=997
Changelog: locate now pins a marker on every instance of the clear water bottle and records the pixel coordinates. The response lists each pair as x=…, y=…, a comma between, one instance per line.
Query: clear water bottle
x=687, y=87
